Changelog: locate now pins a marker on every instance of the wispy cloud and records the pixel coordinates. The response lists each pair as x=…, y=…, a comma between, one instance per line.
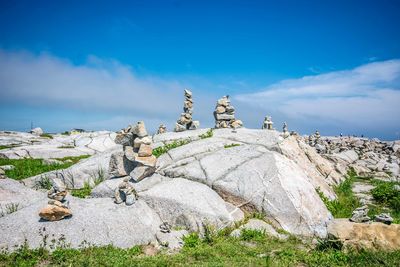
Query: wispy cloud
x=366, y=98
x=95, y=86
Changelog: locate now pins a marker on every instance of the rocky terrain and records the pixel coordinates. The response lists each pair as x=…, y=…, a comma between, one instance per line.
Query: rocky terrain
x=186, y=181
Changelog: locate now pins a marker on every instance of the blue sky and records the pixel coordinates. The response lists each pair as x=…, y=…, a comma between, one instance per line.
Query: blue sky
x=326, y=65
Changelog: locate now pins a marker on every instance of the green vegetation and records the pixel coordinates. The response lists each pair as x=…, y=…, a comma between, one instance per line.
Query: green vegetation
x=66, y=146
x=231, y=145
x=46, y=135
x=253, y=248
x=66, y=133
x=30, y=167
x=5, y=147
x=9, y=208
x=82, y=192
x=163, y=149
x=387, y=199
x=346, y=201
x=43, y=182
x=208, y=134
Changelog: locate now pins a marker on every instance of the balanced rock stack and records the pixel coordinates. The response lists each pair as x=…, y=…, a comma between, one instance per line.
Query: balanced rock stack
x=125, y=192
x=224, y=114
x=137, y=158
x=268, y=124
x=58, y=207
x=161, y=129
x=185, y=121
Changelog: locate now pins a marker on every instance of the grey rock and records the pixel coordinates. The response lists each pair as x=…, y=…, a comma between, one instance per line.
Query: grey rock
x=7, y=167
x=384, y=218
x=360, y=215
x=51, y=162
x=96, y=221
x=120, y=165
x=141, y=172
x=172, y=240
x=36, y=131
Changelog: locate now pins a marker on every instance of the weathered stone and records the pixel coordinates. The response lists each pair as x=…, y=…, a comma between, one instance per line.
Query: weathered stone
x=258, y=225
x=139, y=129
x=366, y=236
x=120, y=165
x=194, y=125
x=162, y=129
x=141, y=172
x=236, y=124
x=130, y=153
x=142, y=141
x=267, y=124
x=54, y=213
x=224, y=117
x=220, y=109
x=145, y=151
x=7, y=167
x=125, y=192
x=384, y=218
x=179, y=127
x=360, y=215
x=36, y=131
x=147, y=161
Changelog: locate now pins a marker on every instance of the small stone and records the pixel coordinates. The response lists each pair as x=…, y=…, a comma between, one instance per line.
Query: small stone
x=129, y=152
x=225, y=117
x=130, y=200
x=384, y=218
x=162, y=129
x=2, y=174
x=54, y=213
x=194, y=125
x=141, y=172
x=140, y=141
x=7, y=167
x=139, y=129
x=179, y=127
x=237, y=124
x=145, y=151
x=220, y=109
x=360, y=215
x=147, y=161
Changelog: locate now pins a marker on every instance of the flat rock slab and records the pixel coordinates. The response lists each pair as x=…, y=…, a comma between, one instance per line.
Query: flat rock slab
x=97, y=221
x=62, y=146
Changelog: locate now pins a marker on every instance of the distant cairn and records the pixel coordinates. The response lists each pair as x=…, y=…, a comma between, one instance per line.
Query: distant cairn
x=185, y=121
x=224, y=114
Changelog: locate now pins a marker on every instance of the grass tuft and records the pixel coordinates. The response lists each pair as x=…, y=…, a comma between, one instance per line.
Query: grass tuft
x=25, y=168
x=231, y=145
x=164, y=149
x=46, y=135
x=208, y=134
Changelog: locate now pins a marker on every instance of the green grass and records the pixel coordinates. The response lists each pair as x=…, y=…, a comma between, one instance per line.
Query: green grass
x=25, y=168
x=387, y=199
x=251, y=249
x=208, y=134
x=5, y=147
x=231, y=145
x=346, y=201
x=164, y=149
x=46, y=135
x=66, y=146
x=82, y=192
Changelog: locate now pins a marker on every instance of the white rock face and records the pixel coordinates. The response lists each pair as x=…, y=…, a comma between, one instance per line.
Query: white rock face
x=185, y=203
x=14, y=193
x=254, y=177
x=60, y=146
x=97, y=221
x=258, y=225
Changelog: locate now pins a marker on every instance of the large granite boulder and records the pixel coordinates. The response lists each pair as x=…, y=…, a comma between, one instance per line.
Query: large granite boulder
x=252, y=176
x=95, y=221
x=188, y=204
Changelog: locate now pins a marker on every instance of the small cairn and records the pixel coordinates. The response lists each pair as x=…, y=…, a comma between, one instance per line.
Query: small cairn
x=136, y=159
x=267, y=124
x=360, y=215
x=58, y=207
x=285, y=130
x=384, y=218
x=224, y=114
x=125, y=192
x=161, y=129
x=185, y=121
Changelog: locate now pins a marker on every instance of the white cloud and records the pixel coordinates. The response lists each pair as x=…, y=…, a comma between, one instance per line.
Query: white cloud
x=364, y=99
x=98, y=85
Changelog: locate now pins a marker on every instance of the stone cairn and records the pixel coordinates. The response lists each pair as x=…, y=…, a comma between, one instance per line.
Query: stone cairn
x=125, y=192
x=285, y=130
x=360, y=215
x=185, y=121
x=136, y=159
x=58, y=207
x=224, y=114
x=161, y=129
x=267, y=124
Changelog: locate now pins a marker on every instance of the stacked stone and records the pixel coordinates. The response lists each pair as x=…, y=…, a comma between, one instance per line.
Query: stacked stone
x=136, y=159
x=268, y=124
x=161, y=129
x=224, y=114
x=185, y=121
x=58, y=207
x=285, y=130
x=125, y=192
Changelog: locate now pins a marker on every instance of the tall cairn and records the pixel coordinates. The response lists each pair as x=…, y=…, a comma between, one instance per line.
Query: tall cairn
x=185, y=121
x=224, y=114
